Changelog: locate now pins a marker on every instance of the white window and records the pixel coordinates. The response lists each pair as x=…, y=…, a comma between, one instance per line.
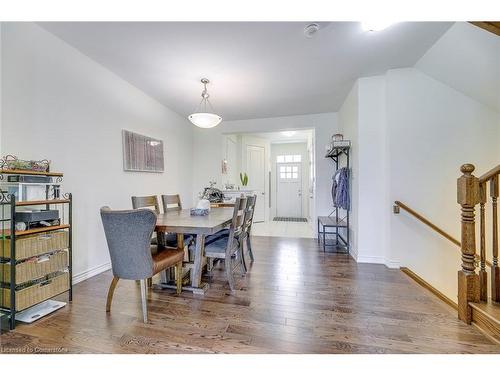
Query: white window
x=288, y=172
x=289, y=158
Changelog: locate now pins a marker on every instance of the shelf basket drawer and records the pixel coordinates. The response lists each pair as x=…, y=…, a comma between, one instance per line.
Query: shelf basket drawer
x=37, y=293
x=36, y=268
x=33, y=245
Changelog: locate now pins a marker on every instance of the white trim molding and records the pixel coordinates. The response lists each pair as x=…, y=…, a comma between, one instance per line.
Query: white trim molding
x=378, y=260
x=392, y=263
x=370, y=259
x=91, y=272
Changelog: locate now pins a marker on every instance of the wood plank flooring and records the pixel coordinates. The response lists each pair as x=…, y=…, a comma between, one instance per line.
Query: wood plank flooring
x=294, y=299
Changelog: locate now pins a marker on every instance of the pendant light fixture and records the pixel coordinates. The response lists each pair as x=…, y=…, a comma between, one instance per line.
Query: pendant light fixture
x=204, y=118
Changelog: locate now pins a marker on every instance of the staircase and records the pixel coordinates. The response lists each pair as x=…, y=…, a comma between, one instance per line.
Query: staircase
x=474, y=304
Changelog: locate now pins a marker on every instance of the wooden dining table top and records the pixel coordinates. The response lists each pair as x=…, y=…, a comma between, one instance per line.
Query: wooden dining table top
x=182, y=221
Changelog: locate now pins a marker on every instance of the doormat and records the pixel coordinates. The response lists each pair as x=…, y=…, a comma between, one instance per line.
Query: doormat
x=294, y=219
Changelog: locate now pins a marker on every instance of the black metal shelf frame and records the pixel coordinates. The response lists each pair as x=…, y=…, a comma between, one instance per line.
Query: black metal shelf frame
x=340, y=242
x=10, y=199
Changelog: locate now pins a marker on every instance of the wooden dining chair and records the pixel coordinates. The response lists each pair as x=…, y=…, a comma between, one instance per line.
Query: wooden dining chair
x=228, y=248
x=128, y=234
x=171, y=203
x=247, y=227
x=149, y=202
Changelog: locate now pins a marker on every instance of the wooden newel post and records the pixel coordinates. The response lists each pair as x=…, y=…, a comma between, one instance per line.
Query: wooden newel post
x=468, y=280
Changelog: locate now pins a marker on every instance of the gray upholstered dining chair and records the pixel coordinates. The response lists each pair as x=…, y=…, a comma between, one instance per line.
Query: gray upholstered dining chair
x=228, y=248
x=128, y=234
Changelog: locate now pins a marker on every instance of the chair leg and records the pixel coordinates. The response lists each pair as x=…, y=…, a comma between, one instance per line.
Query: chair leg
x=111, y=291
x=228, y=265
x=241, y=255
x=210, y=264
x=144, y=301
x=150, y=282
x=249, y=247
x=178, y=277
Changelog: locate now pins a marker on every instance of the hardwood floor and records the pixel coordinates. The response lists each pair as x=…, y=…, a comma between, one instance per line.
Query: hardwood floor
x=294, y=299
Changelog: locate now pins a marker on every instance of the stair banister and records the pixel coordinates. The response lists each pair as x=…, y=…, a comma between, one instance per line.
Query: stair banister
x=468, y=280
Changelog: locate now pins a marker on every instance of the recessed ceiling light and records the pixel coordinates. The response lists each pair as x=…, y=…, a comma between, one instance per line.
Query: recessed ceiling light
x=375, y=25
x=289, y=133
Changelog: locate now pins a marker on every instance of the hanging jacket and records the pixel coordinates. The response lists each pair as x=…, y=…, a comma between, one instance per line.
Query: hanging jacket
x=340, y=189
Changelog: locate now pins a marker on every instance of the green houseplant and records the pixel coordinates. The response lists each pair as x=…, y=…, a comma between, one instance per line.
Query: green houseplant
x=243, y=179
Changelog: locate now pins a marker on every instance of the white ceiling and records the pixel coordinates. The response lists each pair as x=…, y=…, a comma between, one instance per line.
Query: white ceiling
x=293, y=136
x=257, y=69
x=467, y=58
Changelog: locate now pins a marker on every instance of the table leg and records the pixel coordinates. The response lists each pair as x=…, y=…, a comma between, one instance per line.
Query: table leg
x=198, y=261
x=180, y=241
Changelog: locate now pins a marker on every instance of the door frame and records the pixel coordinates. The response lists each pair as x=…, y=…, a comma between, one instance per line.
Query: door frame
x=263, y=196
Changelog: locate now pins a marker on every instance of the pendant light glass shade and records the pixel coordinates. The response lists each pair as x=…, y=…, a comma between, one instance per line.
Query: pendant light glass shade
x=203, y=118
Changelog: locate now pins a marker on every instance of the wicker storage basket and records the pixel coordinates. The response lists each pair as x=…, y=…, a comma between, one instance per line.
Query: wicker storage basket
x=33, y=245
x=37, y=293
x=36, y=268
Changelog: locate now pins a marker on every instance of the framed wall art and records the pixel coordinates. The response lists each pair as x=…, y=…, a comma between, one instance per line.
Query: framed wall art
x=142, y=153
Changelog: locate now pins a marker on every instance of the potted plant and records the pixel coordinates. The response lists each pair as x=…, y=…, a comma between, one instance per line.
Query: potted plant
x=243, y=179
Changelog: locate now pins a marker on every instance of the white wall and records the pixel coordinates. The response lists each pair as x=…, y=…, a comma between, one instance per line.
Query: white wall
x=373, y=200
x=60, y=105
x=1, y=115
x=209, y=150
x=349, y=127
x=467, y=59
x=433, y=130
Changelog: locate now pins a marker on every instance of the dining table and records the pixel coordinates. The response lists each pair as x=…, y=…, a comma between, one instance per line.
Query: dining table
x=183, y=223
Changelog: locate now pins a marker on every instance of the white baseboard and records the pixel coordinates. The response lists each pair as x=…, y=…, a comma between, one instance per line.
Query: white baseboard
x=91, y=272
x=393, y=263
x=378, y=260
x=353, y=253
x=370, y=259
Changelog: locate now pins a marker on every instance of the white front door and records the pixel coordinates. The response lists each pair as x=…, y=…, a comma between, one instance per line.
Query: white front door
x=289, y=190
x=256, y=171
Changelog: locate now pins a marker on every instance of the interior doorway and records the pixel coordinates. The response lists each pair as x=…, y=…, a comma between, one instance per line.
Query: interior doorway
x=281, y=172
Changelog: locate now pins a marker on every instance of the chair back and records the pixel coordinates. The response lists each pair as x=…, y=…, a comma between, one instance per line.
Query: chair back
x=237, y=225
x=171, y=203
x=128, y=233
x=250, y=208
x=150, y=201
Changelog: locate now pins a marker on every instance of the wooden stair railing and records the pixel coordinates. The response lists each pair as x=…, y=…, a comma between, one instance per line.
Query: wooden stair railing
x=473, y=287
x=427, y=222
x=433, y=226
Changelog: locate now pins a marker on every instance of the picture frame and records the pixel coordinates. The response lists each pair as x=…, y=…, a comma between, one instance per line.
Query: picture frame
x=142, y=153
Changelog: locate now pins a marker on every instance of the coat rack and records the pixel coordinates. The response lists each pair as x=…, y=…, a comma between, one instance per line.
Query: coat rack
x=342, y=242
